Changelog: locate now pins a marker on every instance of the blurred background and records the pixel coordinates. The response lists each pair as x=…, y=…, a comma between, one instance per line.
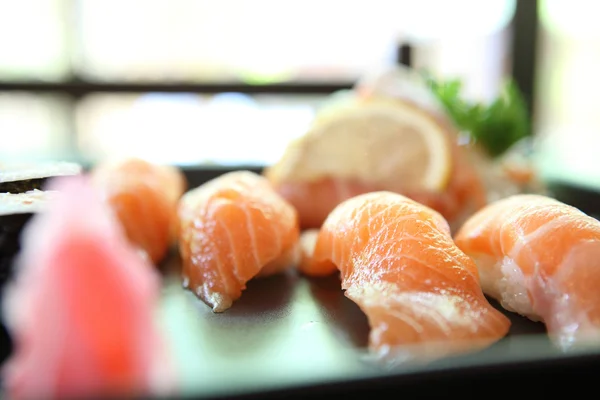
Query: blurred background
x=230, y=82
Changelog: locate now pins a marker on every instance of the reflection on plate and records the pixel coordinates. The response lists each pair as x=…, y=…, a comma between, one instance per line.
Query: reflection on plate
x=289, y=330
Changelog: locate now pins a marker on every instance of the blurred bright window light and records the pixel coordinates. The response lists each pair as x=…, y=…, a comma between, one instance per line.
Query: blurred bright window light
x=265, y=40
x=32, y=126
x=571, y=155
x=575, y=18
x=254, y=40
x=468, y=40
x=567, y=120
x=187, y=129
x=32, y=39
x=432, y=19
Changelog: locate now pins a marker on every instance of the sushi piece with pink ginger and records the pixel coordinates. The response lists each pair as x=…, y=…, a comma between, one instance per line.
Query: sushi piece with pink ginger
x=81, y=310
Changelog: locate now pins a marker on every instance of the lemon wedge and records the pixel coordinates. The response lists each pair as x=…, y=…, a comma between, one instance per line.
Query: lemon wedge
x=390, y=143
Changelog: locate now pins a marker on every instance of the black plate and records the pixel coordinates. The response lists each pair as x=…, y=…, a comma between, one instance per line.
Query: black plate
x=291, y=335
x=587, y=199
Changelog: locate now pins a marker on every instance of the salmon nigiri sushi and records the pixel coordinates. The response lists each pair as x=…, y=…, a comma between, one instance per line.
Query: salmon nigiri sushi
x=378, y=146
x=81, y=310
x=399, y=264
x=308, y=239
x=540, y=258
x=144, y=198
x=232, y=229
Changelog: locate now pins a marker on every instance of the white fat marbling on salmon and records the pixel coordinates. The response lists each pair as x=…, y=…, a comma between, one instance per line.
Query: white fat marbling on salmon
x=557, y=282
x=399, y=264
x=504, y=281
x=225, y=224
x=420, y=311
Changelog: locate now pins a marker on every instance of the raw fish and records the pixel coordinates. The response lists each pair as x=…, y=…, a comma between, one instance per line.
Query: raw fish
x=540, y=258
x=232, y=229
x=399, y=264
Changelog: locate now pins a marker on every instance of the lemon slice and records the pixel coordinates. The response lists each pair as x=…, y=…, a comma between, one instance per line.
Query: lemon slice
x=390, y=143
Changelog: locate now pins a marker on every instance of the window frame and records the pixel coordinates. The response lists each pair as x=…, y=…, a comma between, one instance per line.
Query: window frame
x=522, y=52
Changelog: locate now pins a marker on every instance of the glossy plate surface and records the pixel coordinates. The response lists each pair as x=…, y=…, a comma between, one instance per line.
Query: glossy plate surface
x=289, y=331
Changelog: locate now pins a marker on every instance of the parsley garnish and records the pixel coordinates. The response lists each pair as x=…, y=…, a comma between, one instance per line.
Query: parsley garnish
x=495, y=126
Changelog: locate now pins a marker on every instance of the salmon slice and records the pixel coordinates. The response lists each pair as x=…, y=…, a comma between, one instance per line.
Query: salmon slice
x=232, y=229
x=398, y=263
x=540, y=258
x=82, y=308
x=315, y=199
x=308, y=240
x=144, y=198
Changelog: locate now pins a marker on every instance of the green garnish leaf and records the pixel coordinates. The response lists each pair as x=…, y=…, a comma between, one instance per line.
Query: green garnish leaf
x=495, y=126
